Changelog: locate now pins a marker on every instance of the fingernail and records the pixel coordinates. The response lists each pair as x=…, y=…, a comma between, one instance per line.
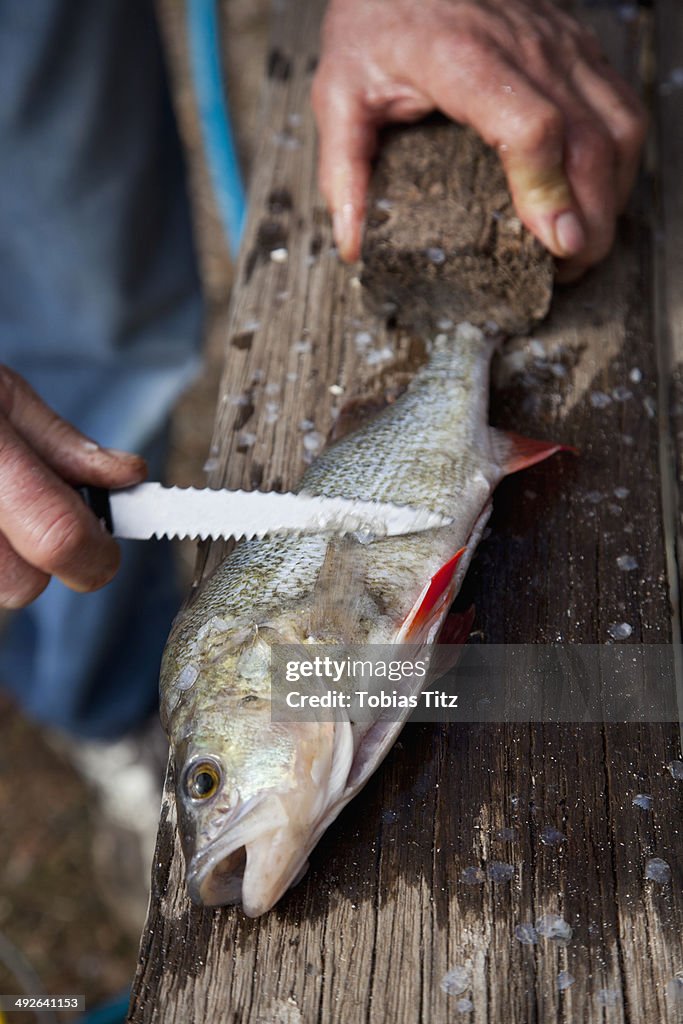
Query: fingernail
x=344, y=230
x=116, y=453
x=569, y=233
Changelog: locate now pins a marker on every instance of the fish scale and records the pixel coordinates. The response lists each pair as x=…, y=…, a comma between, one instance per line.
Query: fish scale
x=286, y=781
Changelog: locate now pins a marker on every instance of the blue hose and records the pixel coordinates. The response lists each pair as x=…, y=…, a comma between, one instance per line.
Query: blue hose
x=226, y=178
x=219, y=146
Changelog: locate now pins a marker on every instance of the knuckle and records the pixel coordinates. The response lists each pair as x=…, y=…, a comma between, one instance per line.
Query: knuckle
x=62, y=541
x=464, y=48
x=535, y=48
x=594, y=148
x=545, y=128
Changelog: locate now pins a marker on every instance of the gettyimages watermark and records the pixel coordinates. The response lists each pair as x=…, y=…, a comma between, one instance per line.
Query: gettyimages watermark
x=475, y=683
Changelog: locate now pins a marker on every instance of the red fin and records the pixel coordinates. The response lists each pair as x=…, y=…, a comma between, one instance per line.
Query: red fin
x=431, y=599
x=514, y=452
x=457, y=627
x=452, y=637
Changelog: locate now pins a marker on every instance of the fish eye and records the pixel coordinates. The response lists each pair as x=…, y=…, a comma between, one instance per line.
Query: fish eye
x=202, y=780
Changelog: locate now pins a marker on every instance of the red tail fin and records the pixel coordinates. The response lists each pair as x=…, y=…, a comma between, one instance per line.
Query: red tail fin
x=514, y=452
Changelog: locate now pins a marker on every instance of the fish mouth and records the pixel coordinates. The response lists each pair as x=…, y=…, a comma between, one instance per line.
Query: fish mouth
x=252, y=865
x=219, y=885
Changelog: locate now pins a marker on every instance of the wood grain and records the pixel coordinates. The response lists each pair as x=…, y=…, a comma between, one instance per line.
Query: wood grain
x=663, y=73
x=384, y=912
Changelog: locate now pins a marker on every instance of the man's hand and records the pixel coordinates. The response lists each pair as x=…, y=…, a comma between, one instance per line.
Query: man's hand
x=45, y=528
x=529, y=79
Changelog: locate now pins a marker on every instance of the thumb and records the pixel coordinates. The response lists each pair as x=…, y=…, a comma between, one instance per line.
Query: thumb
x=347, y=139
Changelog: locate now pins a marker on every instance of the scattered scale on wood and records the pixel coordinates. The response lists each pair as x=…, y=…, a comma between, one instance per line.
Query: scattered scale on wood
x=385, y=911
x=442, y=236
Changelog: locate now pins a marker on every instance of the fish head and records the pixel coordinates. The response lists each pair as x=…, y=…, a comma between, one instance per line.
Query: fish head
x=251, y=792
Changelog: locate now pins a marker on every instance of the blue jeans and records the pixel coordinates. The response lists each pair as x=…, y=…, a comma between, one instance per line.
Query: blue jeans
x=100, y=310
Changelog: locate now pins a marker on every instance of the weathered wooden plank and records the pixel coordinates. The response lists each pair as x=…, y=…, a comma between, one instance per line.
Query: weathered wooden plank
x=442, y=238
x=665, y=79
x=384, y=911
x=611, y=314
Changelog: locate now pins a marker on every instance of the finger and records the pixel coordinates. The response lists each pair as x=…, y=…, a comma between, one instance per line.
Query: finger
x=527, y=129
x=590, y=170
x=45, y=521
x=622, y=114
x=72, y=455
x=591, y=166
x=20, y=583
x=347, y=137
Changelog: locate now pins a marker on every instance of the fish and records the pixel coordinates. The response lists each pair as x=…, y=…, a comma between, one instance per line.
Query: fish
x=255, y=794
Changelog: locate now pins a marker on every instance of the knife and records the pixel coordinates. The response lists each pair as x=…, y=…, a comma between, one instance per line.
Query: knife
x=151, y=510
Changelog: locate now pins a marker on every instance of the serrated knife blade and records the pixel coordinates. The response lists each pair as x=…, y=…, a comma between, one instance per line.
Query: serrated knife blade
x=152, y=510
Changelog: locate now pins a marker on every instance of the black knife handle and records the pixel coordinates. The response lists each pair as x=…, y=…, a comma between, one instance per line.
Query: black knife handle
x=97, y=500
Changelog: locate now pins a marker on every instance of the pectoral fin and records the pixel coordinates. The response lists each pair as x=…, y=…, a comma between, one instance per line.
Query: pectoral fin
x=432, y=603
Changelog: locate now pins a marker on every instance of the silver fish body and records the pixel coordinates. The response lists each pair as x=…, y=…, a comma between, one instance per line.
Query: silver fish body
x=254, y=795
